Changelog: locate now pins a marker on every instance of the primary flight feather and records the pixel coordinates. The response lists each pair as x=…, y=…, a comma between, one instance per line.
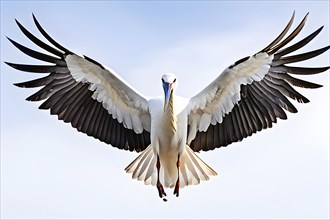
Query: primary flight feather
x=246, y=97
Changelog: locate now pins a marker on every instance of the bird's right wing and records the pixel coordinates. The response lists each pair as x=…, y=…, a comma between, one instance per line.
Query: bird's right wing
x=90, y=96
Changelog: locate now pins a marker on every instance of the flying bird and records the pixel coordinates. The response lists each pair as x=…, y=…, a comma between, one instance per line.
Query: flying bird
x=248, y=96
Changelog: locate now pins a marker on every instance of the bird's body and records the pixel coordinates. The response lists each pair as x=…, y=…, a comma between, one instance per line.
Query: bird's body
x=247, y=97
x=168, y=129
x=168, y=135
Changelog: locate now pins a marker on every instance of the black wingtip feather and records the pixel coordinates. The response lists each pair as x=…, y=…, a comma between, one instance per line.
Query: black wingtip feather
x=19, y=24
x=49, y=38
x=293, y=34
x=20, y=85
x=38, y=42
x=12, y=41
x=13, y=65
x=281, y=36
x=298, y=45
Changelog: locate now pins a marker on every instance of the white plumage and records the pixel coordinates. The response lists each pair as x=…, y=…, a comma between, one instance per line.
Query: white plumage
x=245, y=98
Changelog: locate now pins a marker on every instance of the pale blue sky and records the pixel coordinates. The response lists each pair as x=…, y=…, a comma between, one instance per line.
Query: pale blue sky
x=49, y=170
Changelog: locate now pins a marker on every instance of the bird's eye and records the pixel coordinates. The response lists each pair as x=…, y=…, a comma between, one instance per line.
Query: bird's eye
x=163, y=80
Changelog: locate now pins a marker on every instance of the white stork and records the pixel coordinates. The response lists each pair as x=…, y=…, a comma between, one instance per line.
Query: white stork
x=246, y=97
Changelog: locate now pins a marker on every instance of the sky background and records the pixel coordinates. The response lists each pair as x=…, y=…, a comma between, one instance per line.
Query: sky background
x=49, y=170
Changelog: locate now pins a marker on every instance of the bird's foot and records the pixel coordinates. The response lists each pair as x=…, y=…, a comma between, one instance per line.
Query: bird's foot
x=161, y=191
x=177, y=187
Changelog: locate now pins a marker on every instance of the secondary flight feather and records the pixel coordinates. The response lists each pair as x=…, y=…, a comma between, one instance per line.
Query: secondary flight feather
x=247, y=97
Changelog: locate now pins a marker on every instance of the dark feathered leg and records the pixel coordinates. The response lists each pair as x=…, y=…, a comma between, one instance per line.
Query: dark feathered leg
x=177, y=185
x=160, y=187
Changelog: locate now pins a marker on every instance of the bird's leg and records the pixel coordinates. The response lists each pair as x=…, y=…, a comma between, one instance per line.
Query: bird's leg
x=177, y=185
x=159, y=185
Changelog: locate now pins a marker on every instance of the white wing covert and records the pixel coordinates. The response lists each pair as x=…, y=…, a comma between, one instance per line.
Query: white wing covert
x=251, y=94
x=93, y=98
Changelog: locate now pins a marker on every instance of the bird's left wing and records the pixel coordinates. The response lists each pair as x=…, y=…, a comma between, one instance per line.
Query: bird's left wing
x=251, y=94
x=90, y=96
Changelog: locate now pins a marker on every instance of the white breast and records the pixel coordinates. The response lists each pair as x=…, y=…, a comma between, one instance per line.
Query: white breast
x=161, y=137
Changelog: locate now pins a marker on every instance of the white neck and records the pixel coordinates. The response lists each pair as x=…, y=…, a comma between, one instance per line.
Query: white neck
x=169, y=114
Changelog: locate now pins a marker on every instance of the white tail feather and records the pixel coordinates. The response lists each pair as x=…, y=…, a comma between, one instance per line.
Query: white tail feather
x=192, y=169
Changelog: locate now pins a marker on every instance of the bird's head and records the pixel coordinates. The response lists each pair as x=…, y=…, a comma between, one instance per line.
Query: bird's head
x=169, y=83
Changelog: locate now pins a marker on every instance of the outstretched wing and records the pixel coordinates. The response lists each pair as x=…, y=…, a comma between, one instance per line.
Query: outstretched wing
x=90, y=96
x=251, y=94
